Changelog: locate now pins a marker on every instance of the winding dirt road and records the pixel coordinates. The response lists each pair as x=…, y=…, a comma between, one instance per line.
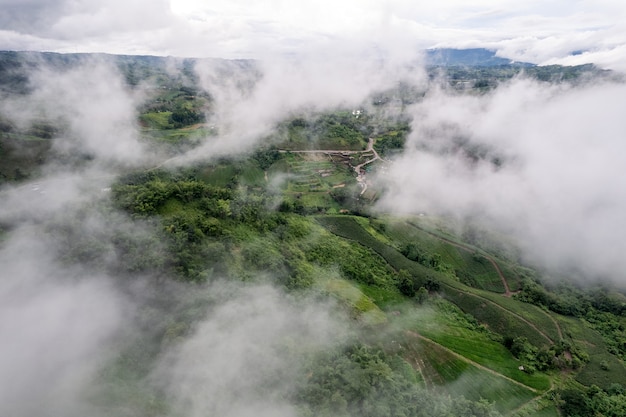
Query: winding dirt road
x=471, y=362
x=360, y=176
x=507, y=290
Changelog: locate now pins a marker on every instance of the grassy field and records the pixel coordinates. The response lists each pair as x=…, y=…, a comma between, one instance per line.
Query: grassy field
x=476, y=384
x=252, y=175
x=443, y=369
x=539, y=317
x=219, y=175
x=362, y=306
x=496, y=318
x=156, y=120
x=320, y=200
x=505, y=320
x=497, y=246
x=471, y=266
x=383, y=297
x=446, y=325
x=349, y=228
x=539, y=410
x=313, y=172
x=602, y=368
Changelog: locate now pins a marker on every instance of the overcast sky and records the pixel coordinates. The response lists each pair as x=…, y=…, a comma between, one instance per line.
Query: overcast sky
x=545, y=31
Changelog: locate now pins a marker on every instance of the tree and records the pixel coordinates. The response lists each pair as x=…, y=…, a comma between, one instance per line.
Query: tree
x=184, y=116
x=406, y=283
x=421, y=295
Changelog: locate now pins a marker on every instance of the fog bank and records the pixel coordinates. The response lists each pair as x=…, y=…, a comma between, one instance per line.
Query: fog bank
x=540, y=162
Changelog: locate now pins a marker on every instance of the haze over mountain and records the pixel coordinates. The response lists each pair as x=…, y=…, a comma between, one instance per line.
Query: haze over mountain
x=562, y=32
x=475, y=57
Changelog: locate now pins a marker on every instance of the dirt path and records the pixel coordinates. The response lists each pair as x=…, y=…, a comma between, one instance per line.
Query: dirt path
x=507, y=290
x=556, y=324
x=535, y=399
x=324, y=151
x=530, y=324
x=471, y=362
x=360, y=177
x=486, y=369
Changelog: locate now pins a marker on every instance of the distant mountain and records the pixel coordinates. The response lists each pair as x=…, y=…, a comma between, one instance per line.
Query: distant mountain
x=475, y=57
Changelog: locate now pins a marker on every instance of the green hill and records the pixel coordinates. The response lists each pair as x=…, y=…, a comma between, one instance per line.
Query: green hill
x=433, y=324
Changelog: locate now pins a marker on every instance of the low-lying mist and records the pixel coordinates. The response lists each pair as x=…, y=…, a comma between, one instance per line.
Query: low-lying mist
x=536, y=161
x=247, y=357
x=252, y=98
x=91, y=106
x=57, y=324
x=70, y=320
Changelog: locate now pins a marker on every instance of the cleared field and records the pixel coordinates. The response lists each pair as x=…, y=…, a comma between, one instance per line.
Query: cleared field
x=548, y=411
x=443, y=369
x=450, y=329
x=471, y=266
x=513, y=277
x=347, y=227
x=252, y=175
x=219, y=175
x=156, y=120
x=438, y=365
x=503, y=320
x=603, y=368
x=497, y=319
x=312, y=173
x=540, y=318
x=477, y=384
x=383, y=297
x=350, y=294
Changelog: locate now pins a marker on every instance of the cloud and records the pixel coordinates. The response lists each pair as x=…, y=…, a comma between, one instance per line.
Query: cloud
x=250, y=98
x=531, y=31
x=62, y=320
x=558, y=188
x=67, y=19
x=244, y=358
x=67, y=323
x=100, y=112
x=68, y=320
x=56, y=325
x=90, y=103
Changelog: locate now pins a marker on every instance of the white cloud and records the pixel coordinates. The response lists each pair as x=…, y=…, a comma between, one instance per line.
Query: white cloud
x=56, y=325
x=243, y=360
x=250, y=102
x=94, y=103
x=559, y=191
x=530, y=31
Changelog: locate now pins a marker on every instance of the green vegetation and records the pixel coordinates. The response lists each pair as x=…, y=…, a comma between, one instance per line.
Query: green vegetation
x=362, y=381
x=434, y=329
x=361, y=304
x=391, y=142
x=498, y=318
x=461, y=333
x=24, y=150
x=337, y=130
x=347, y=227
